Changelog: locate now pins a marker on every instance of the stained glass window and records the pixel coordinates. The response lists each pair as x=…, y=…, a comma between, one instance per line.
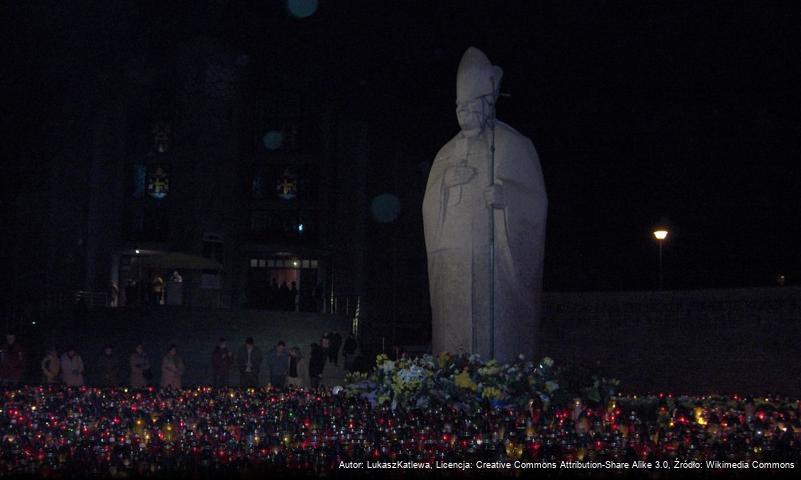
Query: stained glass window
x=287, y=185
x=158, y=183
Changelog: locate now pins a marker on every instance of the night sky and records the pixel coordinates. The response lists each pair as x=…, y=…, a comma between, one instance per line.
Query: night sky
x=642, y=112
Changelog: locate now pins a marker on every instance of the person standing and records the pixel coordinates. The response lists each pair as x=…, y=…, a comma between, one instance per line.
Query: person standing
x=51, y=367
x=221, y=362
x=278, y=361
x=317, y=298
x=249, y=361
x=175, y=289
x=157, y=286
x=12, y=361
x=316, y=363
x=293, y=298
x=336, y=342
x=283, y=297
x=109, y=368
x=333, y=373
x=273, y=295
x=349, y=352
x=115, y=295
x=172, y=368
x=130, y=293
x=72, y=368
x=298, y=374
x=141, y=373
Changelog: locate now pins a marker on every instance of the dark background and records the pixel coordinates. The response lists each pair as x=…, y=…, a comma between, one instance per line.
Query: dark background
x=684, y=113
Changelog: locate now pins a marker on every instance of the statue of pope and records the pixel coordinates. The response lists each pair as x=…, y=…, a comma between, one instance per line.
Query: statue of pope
x=484, y=216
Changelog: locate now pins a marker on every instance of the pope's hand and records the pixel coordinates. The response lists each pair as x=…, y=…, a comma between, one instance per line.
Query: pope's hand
x=458, y=175
x=494, y=197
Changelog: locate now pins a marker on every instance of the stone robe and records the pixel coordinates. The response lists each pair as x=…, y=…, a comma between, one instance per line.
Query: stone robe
x=457, y=223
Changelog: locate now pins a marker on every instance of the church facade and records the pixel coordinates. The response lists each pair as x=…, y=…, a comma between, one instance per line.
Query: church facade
x=232, y=170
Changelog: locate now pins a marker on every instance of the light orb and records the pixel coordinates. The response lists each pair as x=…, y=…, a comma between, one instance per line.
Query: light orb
x=273, y=140
x=301, y=8
x=385, y=208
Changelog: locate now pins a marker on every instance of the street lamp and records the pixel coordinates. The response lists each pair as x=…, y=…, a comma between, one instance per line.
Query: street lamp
x=660, y=235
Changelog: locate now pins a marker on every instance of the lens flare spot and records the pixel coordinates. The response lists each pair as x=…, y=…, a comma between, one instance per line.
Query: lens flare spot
x=385, y=208
x=301, y=8
x=273, y=140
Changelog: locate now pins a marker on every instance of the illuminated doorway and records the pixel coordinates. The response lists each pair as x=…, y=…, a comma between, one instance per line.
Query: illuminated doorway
x=288, y=284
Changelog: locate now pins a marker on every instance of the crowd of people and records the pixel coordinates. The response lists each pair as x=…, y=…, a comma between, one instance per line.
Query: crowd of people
x=65, y=428
x=286, y=296
x=325, y=365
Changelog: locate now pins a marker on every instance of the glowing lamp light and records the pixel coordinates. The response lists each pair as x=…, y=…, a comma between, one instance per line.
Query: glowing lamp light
x=138, y=252
x=295, y=263
x=660, y=234
x=300, y=228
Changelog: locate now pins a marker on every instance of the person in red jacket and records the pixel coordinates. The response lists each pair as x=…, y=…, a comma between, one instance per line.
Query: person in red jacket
x=221, y=362
x=12, y=361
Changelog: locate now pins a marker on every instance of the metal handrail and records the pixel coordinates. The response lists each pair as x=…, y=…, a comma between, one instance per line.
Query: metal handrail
x=349, y=306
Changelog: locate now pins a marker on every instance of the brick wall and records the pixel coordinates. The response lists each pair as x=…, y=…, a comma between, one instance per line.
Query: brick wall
x=699, y=341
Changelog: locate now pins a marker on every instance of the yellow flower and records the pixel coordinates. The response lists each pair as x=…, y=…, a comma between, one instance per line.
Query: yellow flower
x=699, y=416
x=463, y=380
x=492, y=393
x=443, y=359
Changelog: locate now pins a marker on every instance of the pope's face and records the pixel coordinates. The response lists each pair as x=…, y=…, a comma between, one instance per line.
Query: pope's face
x=472, y=116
